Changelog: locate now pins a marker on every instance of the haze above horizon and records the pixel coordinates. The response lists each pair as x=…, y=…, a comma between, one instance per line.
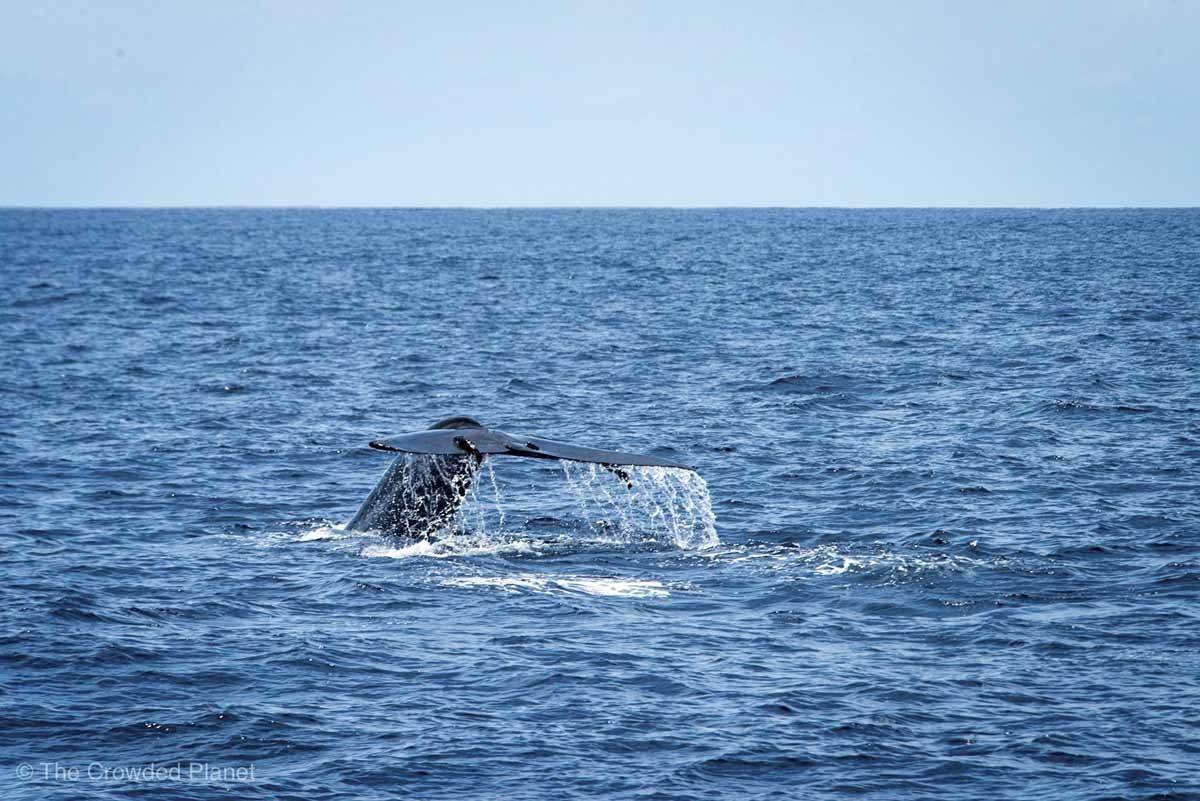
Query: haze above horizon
x=669, y=104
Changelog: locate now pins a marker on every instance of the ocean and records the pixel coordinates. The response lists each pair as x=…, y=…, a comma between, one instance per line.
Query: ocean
x=942, y=541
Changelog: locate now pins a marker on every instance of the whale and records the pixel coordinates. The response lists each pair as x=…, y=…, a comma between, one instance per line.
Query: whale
x=434, y=469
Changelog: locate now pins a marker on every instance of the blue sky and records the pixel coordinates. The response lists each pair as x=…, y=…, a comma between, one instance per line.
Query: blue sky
x=644, y=104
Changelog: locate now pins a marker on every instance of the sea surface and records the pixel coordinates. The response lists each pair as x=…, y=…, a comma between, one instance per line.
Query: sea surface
x=943, y=541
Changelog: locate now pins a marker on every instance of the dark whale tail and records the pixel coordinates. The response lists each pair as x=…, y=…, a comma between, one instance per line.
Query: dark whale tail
x=459, y=436
x=416, y=496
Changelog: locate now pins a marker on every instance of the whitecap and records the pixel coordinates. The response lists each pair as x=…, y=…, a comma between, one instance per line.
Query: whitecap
x=588, y=585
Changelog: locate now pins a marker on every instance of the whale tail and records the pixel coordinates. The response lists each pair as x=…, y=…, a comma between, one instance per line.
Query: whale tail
x=418, y=496
x=463, y=436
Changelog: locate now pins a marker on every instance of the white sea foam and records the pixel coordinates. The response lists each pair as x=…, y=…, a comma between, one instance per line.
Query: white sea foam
x=450, y=547
x=327, y=531
x=588, y=585
x=838, y=566
x=376, y=544
x=839, y=560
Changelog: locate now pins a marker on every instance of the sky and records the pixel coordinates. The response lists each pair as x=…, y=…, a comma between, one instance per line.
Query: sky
x=1050, y=103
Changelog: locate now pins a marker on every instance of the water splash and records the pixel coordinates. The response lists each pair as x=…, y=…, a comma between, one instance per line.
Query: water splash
x=633, y=505
x=628, y=506
x=625, y=506
x=482, y=511
x=657, y=503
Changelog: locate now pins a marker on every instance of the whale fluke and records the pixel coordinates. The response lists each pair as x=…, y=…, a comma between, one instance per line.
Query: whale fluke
x=416, y=496
x=473, y=438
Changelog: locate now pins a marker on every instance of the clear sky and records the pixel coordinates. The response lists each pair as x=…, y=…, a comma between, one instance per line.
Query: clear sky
x=968, y=103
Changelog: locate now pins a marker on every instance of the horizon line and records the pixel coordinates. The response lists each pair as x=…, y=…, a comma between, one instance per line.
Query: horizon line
x=585, y=207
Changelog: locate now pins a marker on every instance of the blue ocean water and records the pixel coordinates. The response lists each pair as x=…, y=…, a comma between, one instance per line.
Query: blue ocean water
x=953, y=458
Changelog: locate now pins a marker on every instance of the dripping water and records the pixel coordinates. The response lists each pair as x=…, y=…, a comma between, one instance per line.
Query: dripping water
x=664, y=505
